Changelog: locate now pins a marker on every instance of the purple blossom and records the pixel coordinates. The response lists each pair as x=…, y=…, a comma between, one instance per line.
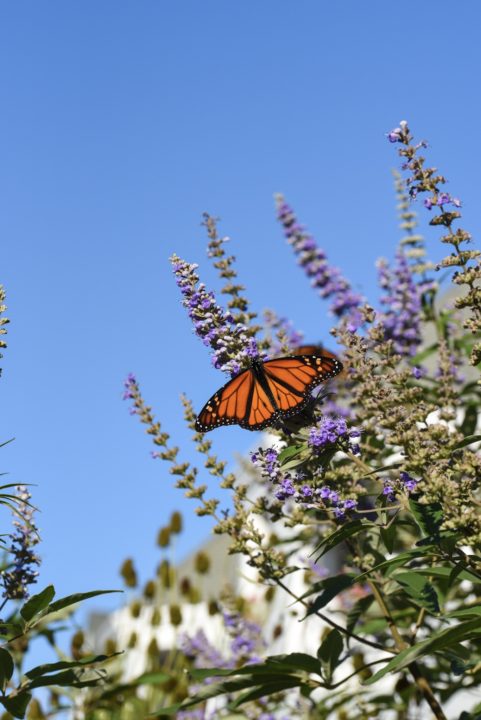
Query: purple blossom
x=417, y=372
x=20, y=573
x=286, y=490
x=398, y=134
x=443, y=198
x=130, y=384
x=246, y=638
x=198, y=647
x=330, y=430
x=231, y=343
x=327, y=280
x=409, y=483
x=402, y=317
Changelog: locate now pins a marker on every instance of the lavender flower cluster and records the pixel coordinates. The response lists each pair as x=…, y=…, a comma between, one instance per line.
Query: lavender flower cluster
x=294, y=486
x=331, y=430
x=232, y=345
x=130, y=391
x=245, y=643
x=20, y=574
x=402, y=319
x=328, y=280
x=405, y=484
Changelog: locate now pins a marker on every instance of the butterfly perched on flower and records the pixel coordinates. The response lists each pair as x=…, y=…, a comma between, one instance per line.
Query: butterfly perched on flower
x=267, y=392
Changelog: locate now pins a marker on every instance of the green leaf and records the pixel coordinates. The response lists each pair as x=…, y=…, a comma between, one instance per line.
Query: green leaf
x=76, y=598
x=357, y=610
x=469, y=440
x=6, y=667
x=68, y=678
x=289, y=452
x=16, y=705
x=419, y=589
x=37, y=603
x=209, y=691
x=332, y=586
x=330, y=652
x=429, y=517
x=395, y=562
x=290, y=662
x=295, y=661
x=388, y=536
x=67, y=664
x=470, y=420
x=265, y=690
x=341, y=534
x=437, y=641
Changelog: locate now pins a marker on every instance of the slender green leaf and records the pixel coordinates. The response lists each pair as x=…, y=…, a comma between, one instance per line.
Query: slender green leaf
x=37, y=603
x=67, y=664
x=437, y=641
x=388, y=536
x=76, y=598
x=419, y=589
x=357, y=610
x=16, y=705
x=290, y=452
x=469, y=440
x=209, y=691
x=262, y=691
x=470, y=420
x=341, y=534
x=295, y=661
x=330, y=652
x=429, y=517
x=68, y=678
x=6, y=667
x=332, y=586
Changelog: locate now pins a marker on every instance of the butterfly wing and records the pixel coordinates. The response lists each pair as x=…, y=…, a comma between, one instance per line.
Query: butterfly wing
x=281, y=389
x=313, y=350
x=242, y=401
x=291, y=379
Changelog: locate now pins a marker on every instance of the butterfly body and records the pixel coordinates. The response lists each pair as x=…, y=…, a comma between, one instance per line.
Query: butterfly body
x=267, y=392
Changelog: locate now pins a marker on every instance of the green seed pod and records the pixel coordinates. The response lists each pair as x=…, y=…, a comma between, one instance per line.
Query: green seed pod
x=76, y=644
x=135, y=609
x=202, y=563
x=166, y=574
x=132, y=640
x=213, y=607
x=194, y=595
x=149, y=590
x=163, y=537
x=175, y=615
x=185, y=586
x=153, y=649
x=127, y=571
x=176, y=523
x=156, y=617
x=270, y=592
x=110, y=646
x=277, y=632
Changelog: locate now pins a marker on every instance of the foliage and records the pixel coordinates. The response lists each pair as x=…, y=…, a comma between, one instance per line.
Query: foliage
x=357, y=519
x=383, y=470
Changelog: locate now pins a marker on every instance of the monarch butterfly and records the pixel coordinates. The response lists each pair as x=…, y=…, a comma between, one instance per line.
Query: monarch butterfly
x=267, y=392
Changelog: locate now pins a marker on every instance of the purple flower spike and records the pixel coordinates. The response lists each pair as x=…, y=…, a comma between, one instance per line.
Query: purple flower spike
x=232, y=345
x=409, y=483
x=402, y=317
x=327, y=280
x=20, y=573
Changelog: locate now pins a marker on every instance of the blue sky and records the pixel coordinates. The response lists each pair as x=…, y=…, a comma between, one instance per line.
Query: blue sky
x=121, y=123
